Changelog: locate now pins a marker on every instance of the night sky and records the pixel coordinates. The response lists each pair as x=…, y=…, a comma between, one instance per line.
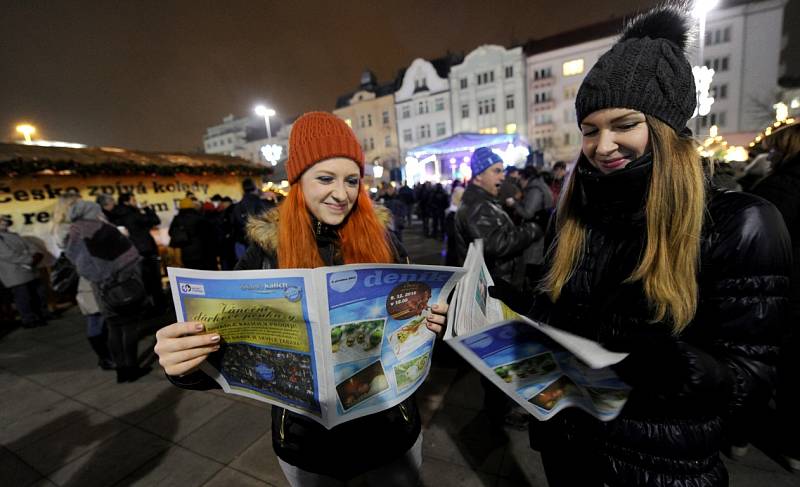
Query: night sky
x=153, y=75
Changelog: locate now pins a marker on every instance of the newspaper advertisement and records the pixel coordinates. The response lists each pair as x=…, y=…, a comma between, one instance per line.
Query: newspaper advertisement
x=332, y=343
x=542, y=368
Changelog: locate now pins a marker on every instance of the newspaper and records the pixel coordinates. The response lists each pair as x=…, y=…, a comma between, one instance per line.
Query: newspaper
x=542, y=368
x=332, y=343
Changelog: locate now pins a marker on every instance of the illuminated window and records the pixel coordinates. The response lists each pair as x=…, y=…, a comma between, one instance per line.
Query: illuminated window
x=511, y=128
x=571, y=68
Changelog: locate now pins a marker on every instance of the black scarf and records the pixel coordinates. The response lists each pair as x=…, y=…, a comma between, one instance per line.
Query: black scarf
x=617, y=198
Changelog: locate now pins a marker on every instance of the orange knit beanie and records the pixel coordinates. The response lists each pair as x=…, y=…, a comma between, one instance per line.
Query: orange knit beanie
x=317, y=136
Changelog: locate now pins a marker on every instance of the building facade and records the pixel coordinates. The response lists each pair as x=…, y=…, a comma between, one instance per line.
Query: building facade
x=227, y=136
x=422, y=103
x=487, y=91
x=742, y=45
x=370, y=112
x=553, y=78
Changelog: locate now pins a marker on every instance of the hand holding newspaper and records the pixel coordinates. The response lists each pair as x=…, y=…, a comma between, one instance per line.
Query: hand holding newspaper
x=333, y=343
x=542, y=368
x=339, y=343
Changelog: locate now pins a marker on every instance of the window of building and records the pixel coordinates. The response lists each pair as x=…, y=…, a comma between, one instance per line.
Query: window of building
x=406, y=111
x=511, y=128
x=487, y=77
x=726, y=34
x=573, y=67
x=386, y=118
x=465, y=111
x=441, y=129
x=723, y=65
x=361, y=121
x=543, y=73
x=371, y=143
x=542, y=97
x=407, y=135
x=488, y=130
x=719, y=92
x=387, y=141
x=464, y=83
x=509, y=102
x=509, y=71
x=423, y=107
x=486, y=106
x=570, y=92
x=424, y=131
x=420, y=83
x=369, y=120
x=438, y=104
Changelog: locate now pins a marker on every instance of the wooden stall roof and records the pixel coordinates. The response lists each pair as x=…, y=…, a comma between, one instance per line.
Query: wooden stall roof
x=23, y=160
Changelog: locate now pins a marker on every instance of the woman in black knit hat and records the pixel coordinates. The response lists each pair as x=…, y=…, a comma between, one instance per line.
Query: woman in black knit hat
x=692, y=282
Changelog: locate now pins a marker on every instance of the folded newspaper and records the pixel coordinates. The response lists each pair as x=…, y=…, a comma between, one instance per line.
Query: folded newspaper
x=339, y=343
x=542, y=368
x=333, y=343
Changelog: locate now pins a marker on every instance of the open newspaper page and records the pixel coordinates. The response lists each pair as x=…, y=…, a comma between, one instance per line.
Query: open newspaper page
x=376, y=338
x=269, y=323
x=542, y=368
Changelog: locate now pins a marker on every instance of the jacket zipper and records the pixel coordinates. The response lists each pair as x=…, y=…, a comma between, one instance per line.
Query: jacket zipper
x=404, y=412
x=281, y=431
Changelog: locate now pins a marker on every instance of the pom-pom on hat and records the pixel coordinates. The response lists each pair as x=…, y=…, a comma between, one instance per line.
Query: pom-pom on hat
x=646, y=70
x=317, y=136
x=481, y=159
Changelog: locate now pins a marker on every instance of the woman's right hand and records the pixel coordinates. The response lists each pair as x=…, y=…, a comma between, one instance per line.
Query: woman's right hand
x=181, y=347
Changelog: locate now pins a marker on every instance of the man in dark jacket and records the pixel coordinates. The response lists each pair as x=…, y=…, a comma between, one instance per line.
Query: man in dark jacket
x=250, y=204
x=193, y=234
x=481, y=217
x=139, y=221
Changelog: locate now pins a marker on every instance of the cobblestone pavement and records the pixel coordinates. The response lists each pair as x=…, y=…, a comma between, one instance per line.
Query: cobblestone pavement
x=65, y=422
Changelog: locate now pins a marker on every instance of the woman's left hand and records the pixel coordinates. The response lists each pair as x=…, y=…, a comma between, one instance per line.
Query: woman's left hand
x=437, y=319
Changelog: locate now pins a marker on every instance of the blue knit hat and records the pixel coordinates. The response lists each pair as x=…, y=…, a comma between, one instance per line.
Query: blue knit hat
x=482, y=159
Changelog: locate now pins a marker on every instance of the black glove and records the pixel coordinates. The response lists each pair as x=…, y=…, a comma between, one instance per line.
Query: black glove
x=511, y=296
x=662, y=364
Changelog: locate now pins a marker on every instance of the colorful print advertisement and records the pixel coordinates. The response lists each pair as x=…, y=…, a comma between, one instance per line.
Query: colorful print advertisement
x=379, y=339
x=267, y=342
x=539, y=374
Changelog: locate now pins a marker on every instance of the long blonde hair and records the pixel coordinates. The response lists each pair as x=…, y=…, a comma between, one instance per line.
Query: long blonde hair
x=674, y=212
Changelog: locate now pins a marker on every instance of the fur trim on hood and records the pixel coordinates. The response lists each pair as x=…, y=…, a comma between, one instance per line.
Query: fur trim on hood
x=263, y=229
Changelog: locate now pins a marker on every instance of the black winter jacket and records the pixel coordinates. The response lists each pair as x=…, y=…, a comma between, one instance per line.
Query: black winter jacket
x=504, y=243
x=199, y=252
x=346, y=450
x=138, y=222
x=669, y=434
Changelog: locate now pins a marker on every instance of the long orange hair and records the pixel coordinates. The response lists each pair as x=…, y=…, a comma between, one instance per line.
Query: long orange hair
x=362, y=236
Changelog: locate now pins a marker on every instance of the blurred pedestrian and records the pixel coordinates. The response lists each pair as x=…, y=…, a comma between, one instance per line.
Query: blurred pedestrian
x=439, y=201
x=398, y=208
x=782, y=188
x=250, y=204
x=406, y=195
x=536, y=206
x=451, y=253
x=111, y=263
x=559, y=172
x=227, y=253
x=96, y=329
x=18, y=262
x=139, y=221
x=194, y=235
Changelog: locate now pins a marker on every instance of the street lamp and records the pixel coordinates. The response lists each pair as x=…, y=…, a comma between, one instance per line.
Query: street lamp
x=265, y=112
x=26, y=130
x=701, y=9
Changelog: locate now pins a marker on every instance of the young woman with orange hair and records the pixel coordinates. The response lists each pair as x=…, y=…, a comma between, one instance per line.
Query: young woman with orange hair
x=327, y=219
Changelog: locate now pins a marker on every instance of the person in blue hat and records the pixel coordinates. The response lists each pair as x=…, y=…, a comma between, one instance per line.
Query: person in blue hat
x=481, y=216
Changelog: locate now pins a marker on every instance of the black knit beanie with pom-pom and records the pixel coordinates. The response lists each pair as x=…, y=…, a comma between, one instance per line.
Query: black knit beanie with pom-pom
x=646, y=70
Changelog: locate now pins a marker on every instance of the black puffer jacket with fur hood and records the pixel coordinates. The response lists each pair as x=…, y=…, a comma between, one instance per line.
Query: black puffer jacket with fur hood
x=351, y=448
